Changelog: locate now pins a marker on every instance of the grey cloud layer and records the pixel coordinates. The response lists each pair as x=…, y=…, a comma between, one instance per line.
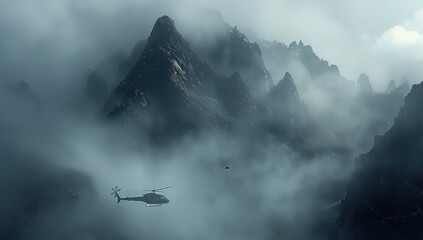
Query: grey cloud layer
x=51, y=43
x=41, y=35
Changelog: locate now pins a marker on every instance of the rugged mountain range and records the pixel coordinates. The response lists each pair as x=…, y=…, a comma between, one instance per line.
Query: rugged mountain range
x=327, y=93
x=384, y=199
x=176, y=91
x=285, y=98
x=171, y=91
x=280, y=58
x=403, y=89
x=287, y=116
x=227, y=50
x=177, y=87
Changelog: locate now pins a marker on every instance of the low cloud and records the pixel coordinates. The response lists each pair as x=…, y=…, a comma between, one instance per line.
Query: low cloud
x=269, y=189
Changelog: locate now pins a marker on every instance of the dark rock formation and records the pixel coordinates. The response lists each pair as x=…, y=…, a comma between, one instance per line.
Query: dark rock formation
x=384, y=199
x=175, y=91
x=235, y=97
x=284, y=102
x=287, y=117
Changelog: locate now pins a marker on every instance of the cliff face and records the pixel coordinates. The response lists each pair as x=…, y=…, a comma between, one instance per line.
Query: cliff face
x=385, y=197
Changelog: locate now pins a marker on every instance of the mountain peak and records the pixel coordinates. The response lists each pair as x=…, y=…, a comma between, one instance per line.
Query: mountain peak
x=286, y=86
x=164, y=29
x=277, y=57
x=363, y=83
x=288, y=77
x=391, y=87
x=412, y=105
x=287, y=82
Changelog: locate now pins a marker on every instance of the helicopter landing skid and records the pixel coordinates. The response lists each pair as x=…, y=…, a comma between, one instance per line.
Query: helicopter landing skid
x=152, y=205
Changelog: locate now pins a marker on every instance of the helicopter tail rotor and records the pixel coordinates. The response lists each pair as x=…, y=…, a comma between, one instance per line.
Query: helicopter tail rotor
x=115, y=193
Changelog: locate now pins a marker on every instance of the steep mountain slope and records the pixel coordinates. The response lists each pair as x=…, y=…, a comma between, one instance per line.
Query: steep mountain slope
x=112, y=69
x=227, y=50
x=384, y=199
x=287, y=119
x=174, y=90
x=338, y=106
x=284, y=103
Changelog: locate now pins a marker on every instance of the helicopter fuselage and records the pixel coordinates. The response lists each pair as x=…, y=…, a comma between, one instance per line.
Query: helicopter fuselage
x=154, y=198
x=149, y=198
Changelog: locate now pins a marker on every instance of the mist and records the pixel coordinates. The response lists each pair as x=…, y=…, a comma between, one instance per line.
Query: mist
x=61, y=38
x=60, y=156
x=268, y=189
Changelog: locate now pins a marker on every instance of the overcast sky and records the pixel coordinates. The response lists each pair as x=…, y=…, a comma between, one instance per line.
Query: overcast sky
x=382, y=38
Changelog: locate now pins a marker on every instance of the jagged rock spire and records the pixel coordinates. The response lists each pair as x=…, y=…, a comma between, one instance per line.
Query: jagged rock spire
x=164, y=30
x=363, y=83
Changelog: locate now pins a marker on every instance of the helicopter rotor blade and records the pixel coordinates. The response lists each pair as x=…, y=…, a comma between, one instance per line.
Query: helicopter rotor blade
x=153, y=190
x=162, y=188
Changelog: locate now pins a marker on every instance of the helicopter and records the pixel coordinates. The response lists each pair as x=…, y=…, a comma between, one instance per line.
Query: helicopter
x=151, y=199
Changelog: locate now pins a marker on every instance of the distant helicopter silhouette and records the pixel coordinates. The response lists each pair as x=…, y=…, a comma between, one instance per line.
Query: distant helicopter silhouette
x=151, y=199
